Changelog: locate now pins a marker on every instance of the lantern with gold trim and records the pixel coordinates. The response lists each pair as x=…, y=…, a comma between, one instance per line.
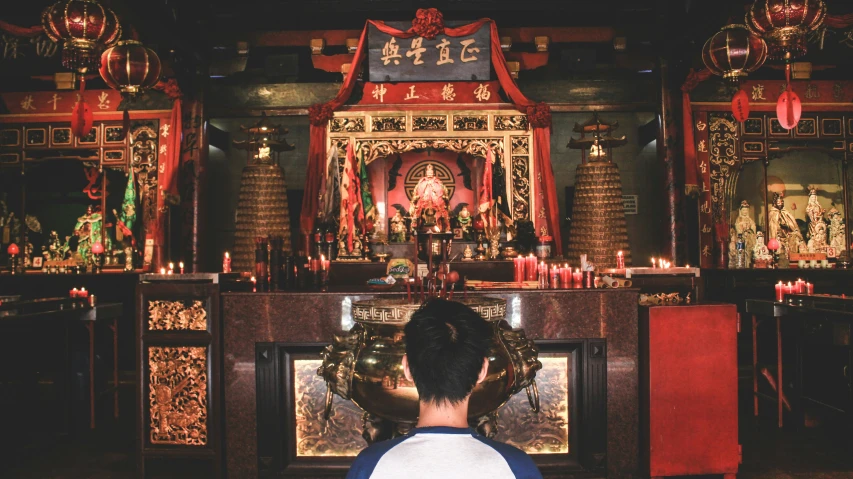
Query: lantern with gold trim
x=784, y=24
x=83, y=28
x=733, y=53
x=131, y=68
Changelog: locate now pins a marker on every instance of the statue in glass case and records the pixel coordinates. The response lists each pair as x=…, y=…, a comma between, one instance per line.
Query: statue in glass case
x=782, y=226
x=817, y=226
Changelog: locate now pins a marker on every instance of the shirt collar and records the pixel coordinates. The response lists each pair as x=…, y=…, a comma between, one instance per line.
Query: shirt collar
x=441, y=430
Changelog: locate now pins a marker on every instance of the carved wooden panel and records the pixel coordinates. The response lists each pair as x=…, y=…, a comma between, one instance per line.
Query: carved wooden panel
x=389, y=123
x=511, y=122
x=429, y=123
x=346, y=124
x=470, y=123
x=177, y=395
x=176, y=315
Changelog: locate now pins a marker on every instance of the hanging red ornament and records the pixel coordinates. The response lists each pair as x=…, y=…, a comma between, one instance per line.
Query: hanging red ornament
x=740, y=106
x=83, y=28
x=784, y=24
x=82, y=120
x=789, y=108
x=129, y=67
x=733, y=53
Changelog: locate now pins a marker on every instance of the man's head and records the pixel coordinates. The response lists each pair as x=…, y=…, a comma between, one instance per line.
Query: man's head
x=446, y=348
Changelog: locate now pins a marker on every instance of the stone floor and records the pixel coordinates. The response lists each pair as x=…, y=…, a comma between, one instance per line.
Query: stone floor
x=107, y=453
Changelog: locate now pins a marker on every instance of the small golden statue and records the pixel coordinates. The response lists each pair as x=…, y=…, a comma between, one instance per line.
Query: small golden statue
x=398, y=228
x=468, y=254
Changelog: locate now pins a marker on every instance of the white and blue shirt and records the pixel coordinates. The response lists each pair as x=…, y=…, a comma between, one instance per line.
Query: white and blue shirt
x=443, y=452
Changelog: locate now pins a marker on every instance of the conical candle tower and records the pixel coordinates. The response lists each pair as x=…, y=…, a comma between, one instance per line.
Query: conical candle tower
x=598, y=227
x=262, y=208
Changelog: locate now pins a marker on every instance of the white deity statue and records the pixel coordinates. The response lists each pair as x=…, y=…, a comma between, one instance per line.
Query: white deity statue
x=836, y=231
x=760, y=252
x=817, y=226
x=745, y=227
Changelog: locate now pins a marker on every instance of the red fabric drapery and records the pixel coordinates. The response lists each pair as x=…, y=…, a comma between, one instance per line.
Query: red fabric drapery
x=538, y=114
x=691, y=176
x=17, y=31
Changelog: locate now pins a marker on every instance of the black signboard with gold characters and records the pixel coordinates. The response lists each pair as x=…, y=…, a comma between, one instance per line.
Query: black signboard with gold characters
x=393, y=59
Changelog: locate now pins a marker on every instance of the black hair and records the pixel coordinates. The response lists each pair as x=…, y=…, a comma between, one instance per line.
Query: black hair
x=446, y=342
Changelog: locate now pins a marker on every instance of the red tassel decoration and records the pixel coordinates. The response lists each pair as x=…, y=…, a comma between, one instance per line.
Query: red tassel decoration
x=82, y=119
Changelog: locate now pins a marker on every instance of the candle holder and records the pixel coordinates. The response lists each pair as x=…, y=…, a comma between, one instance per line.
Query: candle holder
x=13, y=257
x=97, y=256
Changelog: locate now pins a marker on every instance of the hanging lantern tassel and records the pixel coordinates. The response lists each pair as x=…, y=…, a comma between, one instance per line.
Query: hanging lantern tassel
x=789, y=108
x=82, y=119
x=740, y=106
x=125, y=120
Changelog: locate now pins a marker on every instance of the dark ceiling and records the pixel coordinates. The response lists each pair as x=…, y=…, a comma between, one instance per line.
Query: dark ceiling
x=197, y=31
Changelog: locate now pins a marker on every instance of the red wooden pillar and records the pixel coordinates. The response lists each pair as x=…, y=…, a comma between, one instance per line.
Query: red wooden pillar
x=194, y=154
x=673, y=242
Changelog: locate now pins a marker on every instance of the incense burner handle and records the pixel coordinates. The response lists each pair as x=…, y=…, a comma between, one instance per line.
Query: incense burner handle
x=532, y=396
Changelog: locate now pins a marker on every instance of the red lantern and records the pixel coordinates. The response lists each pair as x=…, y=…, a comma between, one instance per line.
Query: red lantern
x=734, y=52
x=130, y=67
x=784, y=24
x=84, y=28
x=13, y=249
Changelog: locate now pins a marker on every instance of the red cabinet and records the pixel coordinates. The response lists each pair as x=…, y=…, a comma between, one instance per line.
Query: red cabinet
x=688, y=390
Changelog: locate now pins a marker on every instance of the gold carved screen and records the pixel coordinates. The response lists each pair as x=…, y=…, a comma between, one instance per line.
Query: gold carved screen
x=546, y=432
x=380, y=134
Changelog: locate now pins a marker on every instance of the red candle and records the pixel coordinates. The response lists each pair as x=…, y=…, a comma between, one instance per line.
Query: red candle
x=82, y=293
x=518, y=269
x=73, y=293
x=555, y=277
x=800, y=287
x=226, y=263
x=780, y=293
x=809, y=288
x=566, y=277
x=530, y=268
x=789, y=288
x=577, y=279
x=254, y=284
x=181, y=265
x=620, y=260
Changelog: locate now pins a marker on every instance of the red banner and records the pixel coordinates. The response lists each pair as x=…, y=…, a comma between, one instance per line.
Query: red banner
x=59, y=102
x=430, y=92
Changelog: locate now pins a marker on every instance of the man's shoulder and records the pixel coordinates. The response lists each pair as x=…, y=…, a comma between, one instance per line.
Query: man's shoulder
x=519, y=462
x=369, y=457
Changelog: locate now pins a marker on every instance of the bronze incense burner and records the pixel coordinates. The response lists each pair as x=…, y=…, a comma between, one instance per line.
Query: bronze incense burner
x=365, y=365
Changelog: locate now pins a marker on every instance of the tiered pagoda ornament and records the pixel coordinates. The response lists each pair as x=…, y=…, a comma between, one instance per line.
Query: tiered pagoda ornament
x=598, y=228
x=262, y=209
